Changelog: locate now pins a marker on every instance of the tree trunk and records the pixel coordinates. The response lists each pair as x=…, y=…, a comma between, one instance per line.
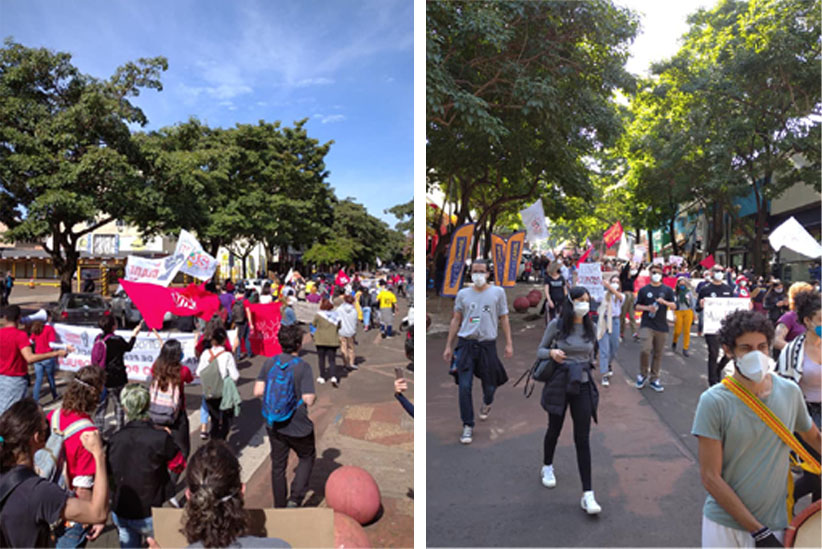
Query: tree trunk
x=650, y=245
x=672, y=226
x=67, y=267
x=715, y=229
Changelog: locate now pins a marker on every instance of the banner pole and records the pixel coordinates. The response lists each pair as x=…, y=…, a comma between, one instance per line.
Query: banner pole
x=154, y=331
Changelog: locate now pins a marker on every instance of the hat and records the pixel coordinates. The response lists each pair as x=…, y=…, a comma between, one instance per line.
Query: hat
x=135, y=400
x=741, y=277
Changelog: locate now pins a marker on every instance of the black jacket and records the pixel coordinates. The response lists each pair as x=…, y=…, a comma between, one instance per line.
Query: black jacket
x=482, y=357
x=116, y=348
x=567, y=380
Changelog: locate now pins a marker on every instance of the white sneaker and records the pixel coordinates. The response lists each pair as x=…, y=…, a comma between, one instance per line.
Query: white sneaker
x=467, y=435
x=548, y=478
x=333, y=381
x=484, y=411
x=605, y=381
x=589, y=504
x=321, y=381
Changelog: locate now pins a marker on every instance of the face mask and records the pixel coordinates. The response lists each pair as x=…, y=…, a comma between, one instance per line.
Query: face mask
x=818, y=331
x=719, y=275
x=656, y=277
x=581, y=308
x=615, y=286
x=753, y=365
x=633, y=272
x=779, y=290
x=743, y=284
x=479, y=279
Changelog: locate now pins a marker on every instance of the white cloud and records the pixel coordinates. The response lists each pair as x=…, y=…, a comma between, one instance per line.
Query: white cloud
x=321, y=81
x=329, y=118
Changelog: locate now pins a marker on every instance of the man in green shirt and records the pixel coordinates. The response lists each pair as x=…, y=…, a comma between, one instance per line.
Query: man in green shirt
x=744, y=465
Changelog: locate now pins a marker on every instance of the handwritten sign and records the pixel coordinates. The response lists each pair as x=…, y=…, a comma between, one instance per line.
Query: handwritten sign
x=675, y=260
x=590, y=277
x=717, y=308
x=639, y=254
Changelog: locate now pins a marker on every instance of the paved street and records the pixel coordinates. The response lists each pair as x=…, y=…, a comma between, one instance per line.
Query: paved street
x=360, y=423
x=645, y=470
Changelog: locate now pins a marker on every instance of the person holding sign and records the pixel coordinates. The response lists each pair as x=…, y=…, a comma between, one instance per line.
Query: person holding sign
x=743, y=461
x=653, y=300
x=716, y=288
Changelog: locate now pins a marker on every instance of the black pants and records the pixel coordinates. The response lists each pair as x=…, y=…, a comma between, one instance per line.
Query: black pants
x=581, y=414
x=220, y=419
x=714, y=368
x=306, y=453
x=327, y=353
x=180, y=432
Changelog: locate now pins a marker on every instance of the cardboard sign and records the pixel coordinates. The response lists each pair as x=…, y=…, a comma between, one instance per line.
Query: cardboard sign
x=717, y=308
x=306, y=527
x=639, y=254
x=589, y=276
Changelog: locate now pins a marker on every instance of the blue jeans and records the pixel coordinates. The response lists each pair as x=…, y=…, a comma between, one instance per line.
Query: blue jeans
x=132, y=531
x=466, y=380
x=73, y=536
x=203, y=413
x=245, y=335
x=366, y=317
x=47, y=367
x=608, y=346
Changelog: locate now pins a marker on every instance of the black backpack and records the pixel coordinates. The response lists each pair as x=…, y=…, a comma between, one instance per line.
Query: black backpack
x=238, y=312
x=10, y=481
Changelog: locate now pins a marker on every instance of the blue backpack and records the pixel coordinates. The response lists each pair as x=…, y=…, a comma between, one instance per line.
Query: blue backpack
x=280, y=398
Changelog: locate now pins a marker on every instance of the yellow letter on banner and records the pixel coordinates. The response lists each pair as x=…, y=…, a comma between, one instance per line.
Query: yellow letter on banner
x=457, y=252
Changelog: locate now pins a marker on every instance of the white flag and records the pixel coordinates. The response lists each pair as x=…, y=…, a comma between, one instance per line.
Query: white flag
x=793, y=236
x=623, y=253
x=159, y=271
x=196, y=262
x=290, y=275
x=533, y=217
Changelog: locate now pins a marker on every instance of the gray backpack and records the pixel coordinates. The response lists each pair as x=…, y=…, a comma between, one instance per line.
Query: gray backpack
x=50, y=461
x=210, y=378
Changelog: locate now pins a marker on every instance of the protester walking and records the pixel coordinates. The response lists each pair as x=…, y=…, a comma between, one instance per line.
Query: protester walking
x=140, y=458
x=32, y=504
x=743, y=462
x=776, y=302
x=113, y=363
x=167, y=393
x=42, y=336
x=15, y=357
x=327, y=340
x=684, y=314
x=478, y=313
x=5, y=290
x=217, y=364
x=555, y=288
x=287, y=315
x=715, y=288
x=388, y=303
x=608, y=334
x=569, y=341
x=348, y=329
x=653, y=300
x=801, y=361
x=627, y=279
x=788, y=326
x=287, y=389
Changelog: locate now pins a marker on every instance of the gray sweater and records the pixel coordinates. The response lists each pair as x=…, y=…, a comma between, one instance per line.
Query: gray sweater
x=575, y=346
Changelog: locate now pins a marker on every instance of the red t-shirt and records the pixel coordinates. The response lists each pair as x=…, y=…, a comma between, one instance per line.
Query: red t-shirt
x=12, y=341
x=41, y=342
x=80, y=464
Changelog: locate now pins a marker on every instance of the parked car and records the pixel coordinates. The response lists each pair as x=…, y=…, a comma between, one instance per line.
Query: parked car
x=124, y=310
x=81, y=309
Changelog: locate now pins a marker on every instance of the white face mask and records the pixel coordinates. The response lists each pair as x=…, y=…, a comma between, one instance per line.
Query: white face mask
x=753, y=365
x=719, y=275
x=615, y=286
x=656, y=277
x=479, y=279
x=633, y=272
x=742, y=283
x=581, y=308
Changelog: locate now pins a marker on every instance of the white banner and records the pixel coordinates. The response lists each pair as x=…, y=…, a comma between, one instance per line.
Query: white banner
x=639, y=254
x=138, y=361
x=624, y=252
x=793, y=236
x=675, y=260
x=196, y=262
x=590, y=277
x=533, y=217
x=159, y=271
x=717, y=308
x=659, y=261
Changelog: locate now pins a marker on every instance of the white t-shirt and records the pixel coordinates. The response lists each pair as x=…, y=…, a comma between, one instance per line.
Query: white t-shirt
x=225, y=362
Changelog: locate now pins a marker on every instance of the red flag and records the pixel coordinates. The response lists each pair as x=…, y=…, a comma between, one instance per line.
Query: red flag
x=584, y=256
x=342, y=278
x=266, y=319
x=708, y=262
x=613, y=234
x=155, y=301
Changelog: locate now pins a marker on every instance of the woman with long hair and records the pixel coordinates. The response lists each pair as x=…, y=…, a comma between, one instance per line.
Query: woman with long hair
x=327, y=340
x=570, y=341
x=34, y=503
x=214, y=512
x=167, y=371
x=788, y=326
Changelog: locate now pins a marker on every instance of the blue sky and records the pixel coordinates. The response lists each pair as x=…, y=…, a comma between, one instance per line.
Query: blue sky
x=347, y=65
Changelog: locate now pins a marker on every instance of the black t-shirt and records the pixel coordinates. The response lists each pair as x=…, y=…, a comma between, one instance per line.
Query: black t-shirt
x=626, y=281
x=298, y=425
x=138, y=458
x=116, y=348
x=715, y=290
x=31, y=510
x=647, y=295
x=556, y=288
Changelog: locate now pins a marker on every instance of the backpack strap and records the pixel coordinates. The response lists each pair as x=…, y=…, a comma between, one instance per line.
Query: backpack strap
x=76, y=427
x=11, y=480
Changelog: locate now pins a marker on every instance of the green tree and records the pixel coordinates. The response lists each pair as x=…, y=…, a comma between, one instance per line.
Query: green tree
x=67, y=156
x=401, y=211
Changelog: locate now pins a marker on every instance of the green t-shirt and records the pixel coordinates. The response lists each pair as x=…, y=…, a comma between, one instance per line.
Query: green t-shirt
x=755, y=462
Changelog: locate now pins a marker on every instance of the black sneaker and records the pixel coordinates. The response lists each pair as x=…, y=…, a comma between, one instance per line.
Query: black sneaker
x=673, y=346
x=685, y=353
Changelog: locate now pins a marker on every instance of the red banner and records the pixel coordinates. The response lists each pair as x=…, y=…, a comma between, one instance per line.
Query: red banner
x=613, y=234
x=155, y=301
x=584, y=257
x=266, y=321
x=708, y=262
x=342, y=278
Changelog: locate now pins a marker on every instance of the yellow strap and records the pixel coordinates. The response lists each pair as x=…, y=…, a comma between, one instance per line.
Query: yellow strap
x=808, y=462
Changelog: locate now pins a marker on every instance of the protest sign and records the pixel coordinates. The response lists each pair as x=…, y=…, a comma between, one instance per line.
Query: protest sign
x=266, y=321
x=159, y=271
x=675, y=260
x=533, y=217
x=659, y=261
x=138, y=361
x=590, y=277
x=717, y=308
x=195, y=261
x=623, y=252
x=639, y=254
x=793, y=236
